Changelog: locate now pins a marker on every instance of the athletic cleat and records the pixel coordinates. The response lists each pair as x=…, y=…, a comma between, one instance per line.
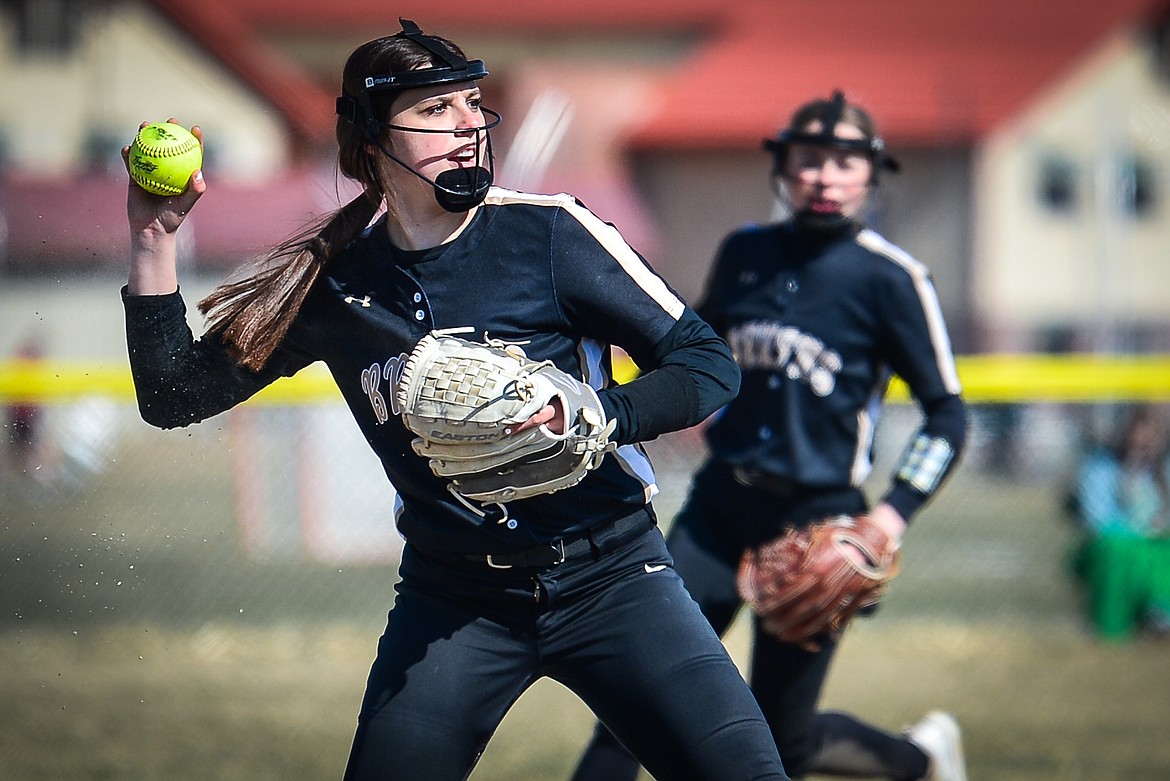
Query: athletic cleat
x=939, y=736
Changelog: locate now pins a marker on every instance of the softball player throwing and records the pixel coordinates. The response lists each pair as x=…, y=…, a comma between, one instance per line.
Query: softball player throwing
x=819, y=311
x=573, y=585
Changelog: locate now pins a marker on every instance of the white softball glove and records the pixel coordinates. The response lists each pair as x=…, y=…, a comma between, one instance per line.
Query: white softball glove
x=464, y=400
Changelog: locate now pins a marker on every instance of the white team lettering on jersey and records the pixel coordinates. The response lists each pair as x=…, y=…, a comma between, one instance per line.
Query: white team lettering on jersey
x=774, y=347
x=371, y=381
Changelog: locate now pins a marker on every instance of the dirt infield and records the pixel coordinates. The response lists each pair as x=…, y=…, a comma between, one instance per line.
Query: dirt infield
x=278, y=703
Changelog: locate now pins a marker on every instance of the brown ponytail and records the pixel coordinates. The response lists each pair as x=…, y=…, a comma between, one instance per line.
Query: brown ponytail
x=253, y=314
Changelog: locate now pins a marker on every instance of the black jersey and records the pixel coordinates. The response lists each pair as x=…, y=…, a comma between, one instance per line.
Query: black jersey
x=818, y=322
x=540, y=271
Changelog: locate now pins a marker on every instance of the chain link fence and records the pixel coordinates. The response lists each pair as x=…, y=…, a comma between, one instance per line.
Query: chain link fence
x=270, y=513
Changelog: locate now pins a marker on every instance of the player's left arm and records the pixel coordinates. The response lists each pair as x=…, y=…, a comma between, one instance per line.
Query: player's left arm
x=919, y=350
x=687, y=375
x=607, y=291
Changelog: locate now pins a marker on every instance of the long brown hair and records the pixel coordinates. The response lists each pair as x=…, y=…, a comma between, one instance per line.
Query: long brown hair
x=252, y=315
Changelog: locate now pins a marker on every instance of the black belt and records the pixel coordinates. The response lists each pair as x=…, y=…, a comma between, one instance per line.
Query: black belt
x=598, y=539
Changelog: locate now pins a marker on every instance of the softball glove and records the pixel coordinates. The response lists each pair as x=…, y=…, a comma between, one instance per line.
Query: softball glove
x=464, y=400
x=806, y=584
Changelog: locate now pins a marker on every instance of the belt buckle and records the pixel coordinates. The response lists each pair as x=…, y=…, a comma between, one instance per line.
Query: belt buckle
x=558, y=549
x=745, y=476
x=493, y=565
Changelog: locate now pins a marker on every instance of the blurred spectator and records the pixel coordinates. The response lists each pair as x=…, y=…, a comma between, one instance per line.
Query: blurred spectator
x=88, y=432
x=59, y=447
x=1123, y=503
x=23, y=419
x=1001, y=421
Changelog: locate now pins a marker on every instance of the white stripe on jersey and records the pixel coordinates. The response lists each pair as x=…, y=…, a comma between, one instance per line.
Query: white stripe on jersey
x=867, y=422
x=632, y=458
x=943, y=356
x=607, y=236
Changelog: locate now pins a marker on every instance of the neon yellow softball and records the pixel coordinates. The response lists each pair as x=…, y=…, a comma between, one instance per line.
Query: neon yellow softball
x=163, y=157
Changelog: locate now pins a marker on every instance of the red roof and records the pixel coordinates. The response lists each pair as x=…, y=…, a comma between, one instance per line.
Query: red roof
x=227, y=32
x=82, y=223
x=376, y=17
x=933, y=72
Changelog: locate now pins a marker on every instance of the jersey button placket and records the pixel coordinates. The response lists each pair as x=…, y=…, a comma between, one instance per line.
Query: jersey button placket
x=413, y=300
x=785, y=293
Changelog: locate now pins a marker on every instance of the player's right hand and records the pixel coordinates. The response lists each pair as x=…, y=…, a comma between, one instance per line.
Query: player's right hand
x=153, y=215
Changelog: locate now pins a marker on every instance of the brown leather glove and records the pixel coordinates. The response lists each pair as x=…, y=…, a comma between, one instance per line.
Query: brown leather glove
x=806, y=584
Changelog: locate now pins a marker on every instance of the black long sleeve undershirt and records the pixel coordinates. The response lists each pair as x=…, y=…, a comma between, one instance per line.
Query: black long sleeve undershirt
x=693, y=375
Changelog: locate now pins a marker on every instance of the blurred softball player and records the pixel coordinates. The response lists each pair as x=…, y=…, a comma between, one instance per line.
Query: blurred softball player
x=819, y=310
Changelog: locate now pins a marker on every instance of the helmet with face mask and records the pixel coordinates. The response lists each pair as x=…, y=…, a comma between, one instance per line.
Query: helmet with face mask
x=829, y=114
x=832, y=114
x=457, y=189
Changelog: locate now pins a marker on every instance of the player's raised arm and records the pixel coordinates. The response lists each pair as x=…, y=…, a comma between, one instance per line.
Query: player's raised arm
x=155, y=215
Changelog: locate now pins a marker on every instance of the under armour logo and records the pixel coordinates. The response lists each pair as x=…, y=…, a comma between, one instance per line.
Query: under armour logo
x=364, y=301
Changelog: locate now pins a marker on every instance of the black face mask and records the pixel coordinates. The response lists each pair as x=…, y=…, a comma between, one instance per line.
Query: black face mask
x=872, y=146
x=458, y=189
x=461, y=189
x=815, y=224
x=824, y=225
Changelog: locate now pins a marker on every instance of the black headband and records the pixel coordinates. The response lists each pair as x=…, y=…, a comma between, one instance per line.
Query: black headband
x=827, y=136
x=454, y=69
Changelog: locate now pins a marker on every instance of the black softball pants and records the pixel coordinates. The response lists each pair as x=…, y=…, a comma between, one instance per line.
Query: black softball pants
x=464, y=641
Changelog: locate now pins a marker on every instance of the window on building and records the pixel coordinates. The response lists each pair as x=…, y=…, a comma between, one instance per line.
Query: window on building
x=1136, y=187
x=47, y=26
x=1159, y=33
x=5, y=151
x=1057, y=184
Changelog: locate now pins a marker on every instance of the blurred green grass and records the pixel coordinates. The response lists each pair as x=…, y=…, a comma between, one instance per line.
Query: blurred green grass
x=139, y=643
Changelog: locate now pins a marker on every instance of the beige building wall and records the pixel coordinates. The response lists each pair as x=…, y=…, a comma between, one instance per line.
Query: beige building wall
x=1094, y=267
x=130, y=65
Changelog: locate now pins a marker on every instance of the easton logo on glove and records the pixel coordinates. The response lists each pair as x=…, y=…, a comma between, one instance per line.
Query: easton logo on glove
x=807, y=583
x=464, y=400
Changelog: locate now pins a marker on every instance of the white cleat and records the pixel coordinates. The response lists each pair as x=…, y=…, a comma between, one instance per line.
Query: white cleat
x=939, y=736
